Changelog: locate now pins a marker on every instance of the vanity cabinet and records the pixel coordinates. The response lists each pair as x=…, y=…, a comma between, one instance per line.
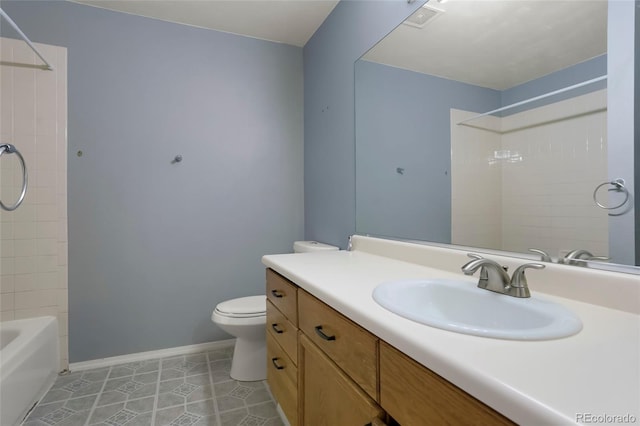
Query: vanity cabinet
x=337, y=373
x=282, y=343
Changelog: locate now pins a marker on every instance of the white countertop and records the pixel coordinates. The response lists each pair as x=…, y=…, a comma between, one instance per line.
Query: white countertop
x=596, y=372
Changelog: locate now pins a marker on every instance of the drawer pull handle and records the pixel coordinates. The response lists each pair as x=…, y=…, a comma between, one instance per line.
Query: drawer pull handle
x=320, y=333
x=277, y=293
x=276, y=329
x=275, y=363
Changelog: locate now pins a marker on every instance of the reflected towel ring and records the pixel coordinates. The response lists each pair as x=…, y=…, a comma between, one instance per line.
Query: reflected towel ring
x=10, y=149
x=618, y=185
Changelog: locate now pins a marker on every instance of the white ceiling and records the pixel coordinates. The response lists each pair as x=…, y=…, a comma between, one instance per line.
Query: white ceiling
x=284, y=21
x=500, y=43
x=489, y=43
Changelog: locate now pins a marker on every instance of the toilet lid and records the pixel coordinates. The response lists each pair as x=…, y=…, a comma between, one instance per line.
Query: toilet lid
x=243, y=306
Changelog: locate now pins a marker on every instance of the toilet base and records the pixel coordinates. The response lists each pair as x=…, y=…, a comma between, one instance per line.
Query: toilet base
x=249, y=362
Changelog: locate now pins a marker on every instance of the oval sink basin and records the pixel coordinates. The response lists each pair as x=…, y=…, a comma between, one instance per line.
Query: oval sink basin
x=462, y=307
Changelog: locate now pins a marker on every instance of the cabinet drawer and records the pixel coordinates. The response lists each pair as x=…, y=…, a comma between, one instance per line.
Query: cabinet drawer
x=283, y=332
x=351, y=347
x=414, y=395
x=282, y=376
x=283, y=294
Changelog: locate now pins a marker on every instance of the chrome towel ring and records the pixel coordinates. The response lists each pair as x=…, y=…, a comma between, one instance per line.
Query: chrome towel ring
x=10, y=149
x=618, y=185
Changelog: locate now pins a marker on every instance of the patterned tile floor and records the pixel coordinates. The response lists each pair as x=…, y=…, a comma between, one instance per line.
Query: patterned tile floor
x=188, y=390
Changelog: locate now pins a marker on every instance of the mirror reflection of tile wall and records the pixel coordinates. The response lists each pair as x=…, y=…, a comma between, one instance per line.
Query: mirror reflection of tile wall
x=33, y=238
x=544, y=164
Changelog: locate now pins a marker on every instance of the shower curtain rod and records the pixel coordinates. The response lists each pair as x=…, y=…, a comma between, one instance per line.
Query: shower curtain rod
x=47, y=65
x=537, y=98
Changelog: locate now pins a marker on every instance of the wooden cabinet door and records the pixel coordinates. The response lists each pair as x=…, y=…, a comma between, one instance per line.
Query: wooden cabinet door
x=328, y=397
x=416, y=396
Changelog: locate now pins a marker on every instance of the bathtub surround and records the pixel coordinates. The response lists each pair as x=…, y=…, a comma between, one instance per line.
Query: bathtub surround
x=33, y=238
x=154, y=246
x=179, y=390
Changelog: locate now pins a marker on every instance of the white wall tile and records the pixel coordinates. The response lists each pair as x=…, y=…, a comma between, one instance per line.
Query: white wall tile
x=47, y=229
x=24, y=248
x=7, y=316
x=6, y=302
x=25, y=282
x=34, y=237
x=547, y=197
x=7, y=284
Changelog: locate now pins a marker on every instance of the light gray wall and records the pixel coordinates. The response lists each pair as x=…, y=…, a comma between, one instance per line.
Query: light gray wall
x=620, y=122
x=403, y=120
x=636, y=129
x=154, y=246
x=329, y=130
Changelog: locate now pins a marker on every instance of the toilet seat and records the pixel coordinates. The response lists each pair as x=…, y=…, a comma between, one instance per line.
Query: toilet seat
x=243, y=307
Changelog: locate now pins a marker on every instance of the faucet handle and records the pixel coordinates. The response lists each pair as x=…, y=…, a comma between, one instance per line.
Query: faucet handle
x=484, y=275
x=519, y=286
x=544, y=254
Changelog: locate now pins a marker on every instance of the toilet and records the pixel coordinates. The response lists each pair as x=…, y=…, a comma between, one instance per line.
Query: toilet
x=245, y=319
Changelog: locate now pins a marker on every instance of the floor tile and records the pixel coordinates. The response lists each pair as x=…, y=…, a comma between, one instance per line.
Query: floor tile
x=187, y=390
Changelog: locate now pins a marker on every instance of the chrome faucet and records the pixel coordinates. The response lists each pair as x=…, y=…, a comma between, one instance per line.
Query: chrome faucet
x=494, y=277
x=544, y=256
x=577, y=256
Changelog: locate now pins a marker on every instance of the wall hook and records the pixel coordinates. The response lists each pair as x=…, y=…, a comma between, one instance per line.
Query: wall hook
x=177, y=159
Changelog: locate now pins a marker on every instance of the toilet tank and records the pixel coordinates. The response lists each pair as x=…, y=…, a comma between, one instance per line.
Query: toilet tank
x=311, y=246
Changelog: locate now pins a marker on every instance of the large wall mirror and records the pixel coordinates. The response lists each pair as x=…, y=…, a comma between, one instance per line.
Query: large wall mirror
x=484, y=124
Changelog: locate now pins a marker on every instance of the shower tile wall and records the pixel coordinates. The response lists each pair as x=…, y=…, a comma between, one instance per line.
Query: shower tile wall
x=476, y=213
x=543, y=196
x=548, y=196
x=33, y=238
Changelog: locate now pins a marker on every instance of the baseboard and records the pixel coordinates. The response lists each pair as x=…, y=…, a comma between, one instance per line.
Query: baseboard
x=140, y=356
x=283, y=416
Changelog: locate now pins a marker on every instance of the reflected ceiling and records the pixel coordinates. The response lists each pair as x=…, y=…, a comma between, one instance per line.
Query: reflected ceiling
x=487, y=58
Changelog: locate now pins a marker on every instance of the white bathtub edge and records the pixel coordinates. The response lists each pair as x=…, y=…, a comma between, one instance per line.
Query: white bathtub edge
x=141, y=356
x=28, y=367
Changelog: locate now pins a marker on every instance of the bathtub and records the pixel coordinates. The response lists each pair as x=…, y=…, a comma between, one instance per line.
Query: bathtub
x=29, y=363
